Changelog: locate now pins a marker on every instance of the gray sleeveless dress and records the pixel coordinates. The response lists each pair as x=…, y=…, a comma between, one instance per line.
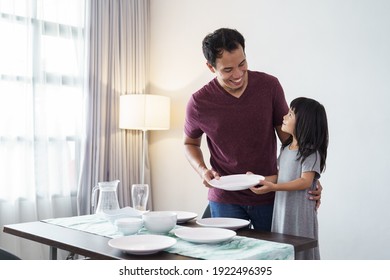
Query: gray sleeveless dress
x=294, y=213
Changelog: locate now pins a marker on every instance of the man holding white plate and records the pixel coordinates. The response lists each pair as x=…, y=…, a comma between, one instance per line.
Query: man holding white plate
x=239, y=111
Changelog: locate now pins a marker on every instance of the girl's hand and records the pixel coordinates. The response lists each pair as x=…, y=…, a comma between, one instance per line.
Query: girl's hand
x=266, y=187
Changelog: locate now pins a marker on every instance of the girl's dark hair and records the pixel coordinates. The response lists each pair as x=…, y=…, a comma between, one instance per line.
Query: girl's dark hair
x=311, y=129
x=223, y=39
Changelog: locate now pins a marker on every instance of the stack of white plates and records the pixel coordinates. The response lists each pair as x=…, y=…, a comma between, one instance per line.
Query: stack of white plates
x=205, y=235
x=228, y=223
x=183, y=216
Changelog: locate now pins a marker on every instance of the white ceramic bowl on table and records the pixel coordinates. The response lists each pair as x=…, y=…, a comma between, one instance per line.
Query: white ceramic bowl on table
x=129, y=226
x=126, y=212
x=159, y=221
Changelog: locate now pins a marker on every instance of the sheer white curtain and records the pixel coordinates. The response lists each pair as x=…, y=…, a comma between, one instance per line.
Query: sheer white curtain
x=118, y=60
x=41, y=97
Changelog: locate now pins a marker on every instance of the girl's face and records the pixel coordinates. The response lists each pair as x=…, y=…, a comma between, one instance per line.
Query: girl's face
x=288, y=125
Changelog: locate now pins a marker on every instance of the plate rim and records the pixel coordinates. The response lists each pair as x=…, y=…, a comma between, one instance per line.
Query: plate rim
x=238, y=188
x=142, y=252
x=193, y=216
x=204, y=241
x=226, y=226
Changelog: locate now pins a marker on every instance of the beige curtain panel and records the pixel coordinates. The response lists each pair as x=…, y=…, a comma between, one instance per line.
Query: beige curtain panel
x=118, y=61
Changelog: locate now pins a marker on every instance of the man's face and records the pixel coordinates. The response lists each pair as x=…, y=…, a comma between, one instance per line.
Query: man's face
x=231, y=70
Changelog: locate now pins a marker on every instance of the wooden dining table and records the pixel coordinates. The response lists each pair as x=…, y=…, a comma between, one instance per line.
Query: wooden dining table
x=93, y=246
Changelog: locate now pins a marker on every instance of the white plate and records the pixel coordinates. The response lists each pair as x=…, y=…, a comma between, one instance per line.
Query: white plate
x=183, y=216
x=205, y=235
x=228, y=223
x=236, y=182
x=142, y=244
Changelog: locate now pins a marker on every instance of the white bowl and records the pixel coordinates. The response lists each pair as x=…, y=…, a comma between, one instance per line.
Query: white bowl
x=126, y=212
x=129, y=226
x=159, y=221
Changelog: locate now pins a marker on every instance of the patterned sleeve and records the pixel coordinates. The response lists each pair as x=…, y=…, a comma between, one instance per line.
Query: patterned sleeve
x=191, y=124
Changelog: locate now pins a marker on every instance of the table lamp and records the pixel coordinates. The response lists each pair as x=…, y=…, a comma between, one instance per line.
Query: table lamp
x=144, y=112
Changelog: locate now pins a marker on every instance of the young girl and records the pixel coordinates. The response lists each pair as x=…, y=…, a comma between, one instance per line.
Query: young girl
x=300, y=163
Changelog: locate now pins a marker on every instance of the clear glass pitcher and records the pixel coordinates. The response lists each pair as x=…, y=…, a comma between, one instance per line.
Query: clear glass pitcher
x=108, y=198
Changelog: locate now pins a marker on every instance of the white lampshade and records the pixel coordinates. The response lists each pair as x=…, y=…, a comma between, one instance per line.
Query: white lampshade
x=144, y=112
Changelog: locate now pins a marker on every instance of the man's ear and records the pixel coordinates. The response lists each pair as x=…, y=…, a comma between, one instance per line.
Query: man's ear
x=210, y=67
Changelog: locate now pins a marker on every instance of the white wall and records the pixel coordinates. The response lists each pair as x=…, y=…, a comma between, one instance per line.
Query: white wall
x=334, y=51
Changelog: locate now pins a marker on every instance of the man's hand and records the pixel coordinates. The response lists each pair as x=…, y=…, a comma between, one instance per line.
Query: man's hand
x=316, y=195
x=208, y=175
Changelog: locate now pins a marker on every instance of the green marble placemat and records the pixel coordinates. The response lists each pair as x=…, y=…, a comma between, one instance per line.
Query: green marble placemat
x=238, y=247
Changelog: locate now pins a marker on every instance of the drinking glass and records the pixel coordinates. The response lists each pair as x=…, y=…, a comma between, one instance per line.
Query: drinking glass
x=139, y=196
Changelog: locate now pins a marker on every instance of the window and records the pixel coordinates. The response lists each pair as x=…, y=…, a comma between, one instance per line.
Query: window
x=41, y=97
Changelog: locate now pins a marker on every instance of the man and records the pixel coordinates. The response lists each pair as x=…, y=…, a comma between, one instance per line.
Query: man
x=239, y=111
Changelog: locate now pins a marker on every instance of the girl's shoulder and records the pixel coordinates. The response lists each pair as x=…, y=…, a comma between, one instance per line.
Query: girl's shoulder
x=312, y=162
